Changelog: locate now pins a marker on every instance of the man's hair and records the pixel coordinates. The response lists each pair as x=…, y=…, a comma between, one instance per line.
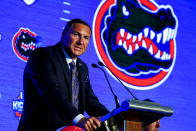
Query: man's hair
x=71, y=22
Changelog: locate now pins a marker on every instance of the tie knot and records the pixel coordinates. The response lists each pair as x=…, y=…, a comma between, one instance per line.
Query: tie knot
x=72, y=64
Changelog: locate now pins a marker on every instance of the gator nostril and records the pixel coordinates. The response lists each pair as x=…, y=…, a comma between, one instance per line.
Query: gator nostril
x=169, y=14
x=161, y=14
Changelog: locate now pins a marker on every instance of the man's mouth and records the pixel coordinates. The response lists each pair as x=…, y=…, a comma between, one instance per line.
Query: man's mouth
x=148, y=40
x=77, y=48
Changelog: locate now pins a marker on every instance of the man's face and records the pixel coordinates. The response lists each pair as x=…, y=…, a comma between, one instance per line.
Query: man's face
x=76, y=39
x=153, y=126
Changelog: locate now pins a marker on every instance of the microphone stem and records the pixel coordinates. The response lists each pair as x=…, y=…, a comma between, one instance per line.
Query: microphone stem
x=115, y=97
x=121, y=83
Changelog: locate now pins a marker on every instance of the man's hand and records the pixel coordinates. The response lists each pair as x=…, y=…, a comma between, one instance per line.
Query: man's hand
x=89, y=124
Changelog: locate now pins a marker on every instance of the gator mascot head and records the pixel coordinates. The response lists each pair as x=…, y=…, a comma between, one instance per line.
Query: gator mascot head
x=138, y=41
x=24, y=42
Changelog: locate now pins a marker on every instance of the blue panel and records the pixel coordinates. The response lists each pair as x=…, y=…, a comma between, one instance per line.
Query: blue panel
x=42, y=22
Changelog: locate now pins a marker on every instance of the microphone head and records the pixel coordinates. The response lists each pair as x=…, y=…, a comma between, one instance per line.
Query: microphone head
x=94, y=65
x=100, y=63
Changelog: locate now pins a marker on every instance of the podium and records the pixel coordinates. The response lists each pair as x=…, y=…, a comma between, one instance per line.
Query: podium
x=134, y=115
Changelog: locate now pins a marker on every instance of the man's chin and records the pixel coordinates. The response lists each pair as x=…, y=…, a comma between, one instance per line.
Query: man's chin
x=77, y=54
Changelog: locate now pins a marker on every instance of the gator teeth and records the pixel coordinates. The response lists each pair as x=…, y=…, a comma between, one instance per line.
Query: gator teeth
x=165, y=35
x=130, y=51
x=146, y=31
x=136, y=46
x=173, y=33
x=144, y=44
x=129, y=36
x=169, y=34
x=159, y=37
x=169, y=56
x=163, y=57
x=120, y=42
x=152, y=35
x=122, y=32
x=150, y=50
x=158, y=54
x=125, y=45
x=134, y=38
x=140, y=36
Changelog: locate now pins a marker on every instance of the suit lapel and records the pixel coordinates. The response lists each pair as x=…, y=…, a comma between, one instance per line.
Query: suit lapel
x=66, y=71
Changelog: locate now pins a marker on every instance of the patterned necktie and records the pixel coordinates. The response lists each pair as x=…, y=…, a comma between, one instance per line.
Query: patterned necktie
x=75, y=84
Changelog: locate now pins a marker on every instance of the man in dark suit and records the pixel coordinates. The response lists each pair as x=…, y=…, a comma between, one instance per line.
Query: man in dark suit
x=49, y=102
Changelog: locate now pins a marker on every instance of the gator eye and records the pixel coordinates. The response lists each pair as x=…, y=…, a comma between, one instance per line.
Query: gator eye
x=125, y=11
x=23, y=37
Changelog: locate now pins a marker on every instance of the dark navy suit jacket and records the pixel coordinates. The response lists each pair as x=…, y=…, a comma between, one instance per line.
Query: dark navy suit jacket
x=47, y=92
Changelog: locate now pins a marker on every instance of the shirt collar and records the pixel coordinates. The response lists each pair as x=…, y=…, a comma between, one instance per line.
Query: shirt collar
x=68, y=58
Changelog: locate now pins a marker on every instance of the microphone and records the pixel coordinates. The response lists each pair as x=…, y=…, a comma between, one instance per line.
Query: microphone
x=101, y=64
x=115, y=97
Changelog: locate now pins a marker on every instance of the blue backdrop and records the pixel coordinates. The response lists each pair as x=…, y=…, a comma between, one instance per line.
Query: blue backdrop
x=43, y=21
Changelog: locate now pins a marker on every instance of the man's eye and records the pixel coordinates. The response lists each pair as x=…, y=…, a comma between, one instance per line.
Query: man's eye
x=87, y=38
x=76, y=34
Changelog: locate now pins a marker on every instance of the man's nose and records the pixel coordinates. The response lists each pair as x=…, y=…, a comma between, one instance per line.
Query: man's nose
x=80, y=40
